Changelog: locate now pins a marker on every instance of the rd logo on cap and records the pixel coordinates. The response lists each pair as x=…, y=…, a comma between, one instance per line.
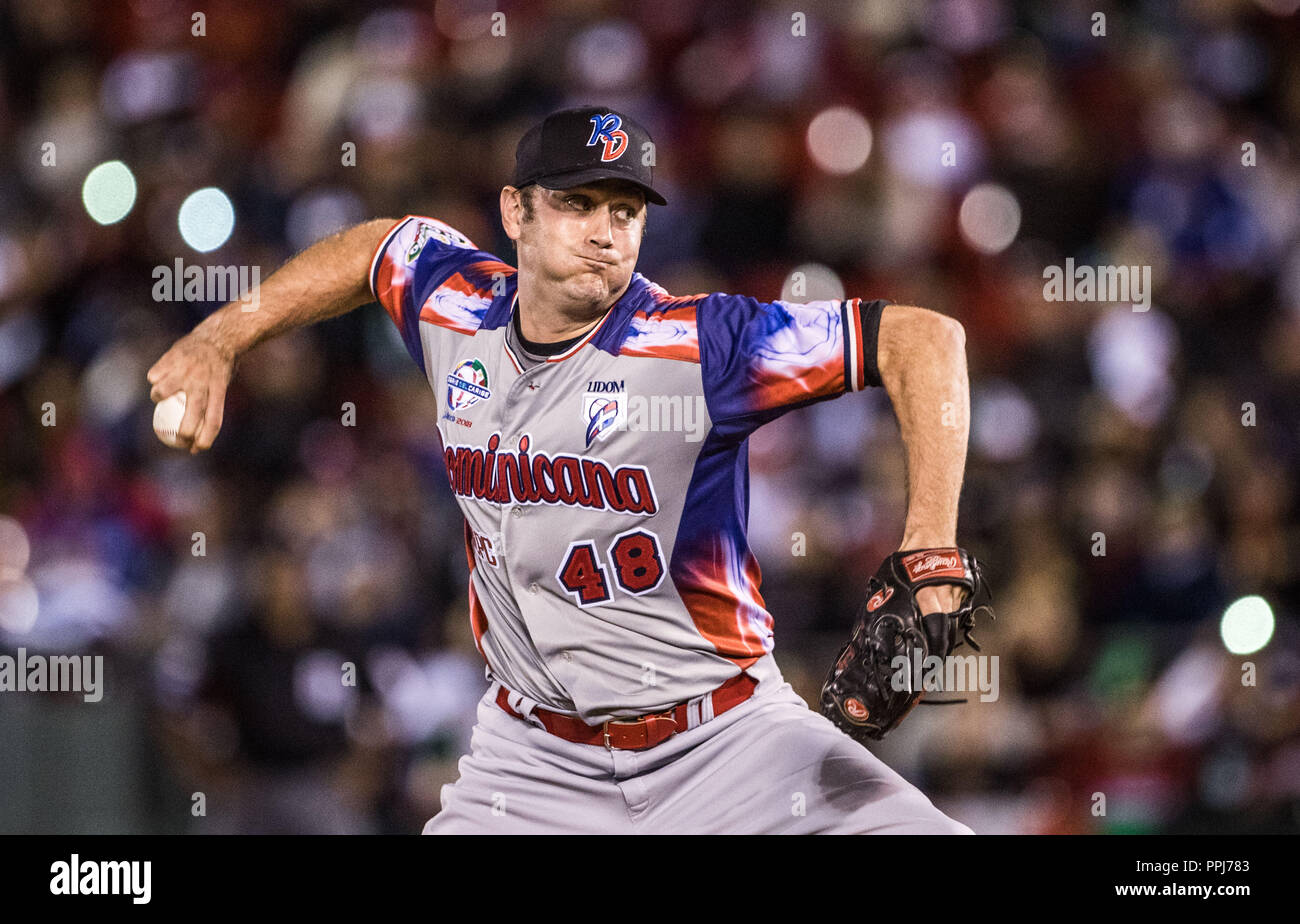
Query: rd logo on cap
x=607, y=128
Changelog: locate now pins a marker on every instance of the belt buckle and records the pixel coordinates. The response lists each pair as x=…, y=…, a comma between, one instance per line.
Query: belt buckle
x=644, y=721
x=604, y=727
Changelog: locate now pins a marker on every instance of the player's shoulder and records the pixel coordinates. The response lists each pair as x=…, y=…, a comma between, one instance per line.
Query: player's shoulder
x=423, y=229
x=667, y=326
x=421, y=240
x=460, y=286
x=659, y=325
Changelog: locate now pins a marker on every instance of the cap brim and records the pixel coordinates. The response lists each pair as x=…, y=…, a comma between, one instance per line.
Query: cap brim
x=591, y=175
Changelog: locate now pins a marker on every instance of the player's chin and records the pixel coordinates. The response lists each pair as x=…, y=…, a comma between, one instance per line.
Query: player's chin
x=592, y=286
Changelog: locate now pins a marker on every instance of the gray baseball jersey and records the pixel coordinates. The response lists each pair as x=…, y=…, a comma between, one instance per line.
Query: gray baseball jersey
x=605, y=489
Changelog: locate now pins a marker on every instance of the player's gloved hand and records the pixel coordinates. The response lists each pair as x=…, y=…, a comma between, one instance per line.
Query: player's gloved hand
x=865, y=694
x=202, y=368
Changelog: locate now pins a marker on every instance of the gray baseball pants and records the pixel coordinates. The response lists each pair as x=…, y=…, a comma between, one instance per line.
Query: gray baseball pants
x=768, y=766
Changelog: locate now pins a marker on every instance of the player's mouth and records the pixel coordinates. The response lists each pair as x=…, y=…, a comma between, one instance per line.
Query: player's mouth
x=595, y=262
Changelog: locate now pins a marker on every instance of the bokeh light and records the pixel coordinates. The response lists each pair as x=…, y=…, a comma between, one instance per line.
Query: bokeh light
x=15, y=548
x=19, y=605
x=609, y=55
x=811, y=282
x=384, y=108
x=1130, y=354
x=109, y=192
x=110, y=388
x=989, y=218
x=839, y=140
x=1247, y=625
x=915, y=147
x=206, y=219
x=145, y=85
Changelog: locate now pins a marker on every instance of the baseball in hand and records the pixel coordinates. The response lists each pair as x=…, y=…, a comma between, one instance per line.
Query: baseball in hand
x=167, y=418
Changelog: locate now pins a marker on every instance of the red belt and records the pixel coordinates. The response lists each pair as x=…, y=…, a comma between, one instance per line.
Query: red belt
x=635, y=734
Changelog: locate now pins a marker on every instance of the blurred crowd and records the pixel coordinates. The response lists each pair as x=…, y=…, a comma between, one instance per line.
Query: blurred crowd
x=225, y=590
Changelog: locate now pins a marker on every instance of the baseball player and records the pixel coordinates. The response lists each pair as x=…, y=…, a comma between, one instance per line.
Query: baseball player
x=613, y=595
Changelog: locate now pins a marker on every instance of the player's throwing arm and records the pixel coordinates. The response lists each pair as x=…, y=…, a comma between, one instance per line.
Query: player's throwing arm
x=925, y=597
x=325, y=280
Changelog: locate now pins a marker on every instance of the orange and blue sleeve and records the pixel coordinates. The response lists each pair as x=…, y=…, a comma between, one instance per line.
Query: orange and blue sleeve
x=414, y=257
x=761, y=359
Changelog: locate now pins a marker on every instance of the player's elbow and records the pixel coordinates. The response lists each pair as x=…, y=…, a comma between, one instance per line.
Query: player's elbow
x=942, y=330
x=955, y=331
x=907, y=331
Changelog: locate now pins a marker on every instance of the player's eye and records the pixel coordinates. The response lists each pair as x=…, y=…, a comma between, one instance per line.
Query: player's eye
x=577, y=202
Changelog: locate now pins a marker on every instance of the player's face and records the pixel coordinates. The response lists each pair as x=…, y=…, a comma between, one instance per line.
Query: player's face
x=583, y=240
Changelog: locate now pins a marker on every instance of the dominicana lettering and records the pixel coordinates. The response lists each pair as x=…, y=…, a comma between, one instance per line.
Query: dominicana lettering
x=538, y=478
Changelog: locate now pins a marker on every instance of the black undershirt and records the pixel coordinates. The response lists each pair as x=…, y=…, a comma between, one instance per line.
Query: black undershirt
x=542, y=349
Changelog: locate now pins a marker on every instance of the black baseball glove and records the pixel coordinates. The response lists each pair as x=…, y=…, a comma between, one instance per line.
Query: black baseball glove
x=866, y=694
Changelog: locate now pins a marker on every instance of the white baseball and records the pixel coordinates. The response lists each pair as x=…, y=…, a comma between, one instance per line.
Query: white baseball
x=167, y=417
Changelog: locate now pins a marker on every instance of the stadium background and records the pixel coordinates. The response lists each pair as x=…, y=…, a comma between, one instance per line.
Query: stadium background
x=327, y=543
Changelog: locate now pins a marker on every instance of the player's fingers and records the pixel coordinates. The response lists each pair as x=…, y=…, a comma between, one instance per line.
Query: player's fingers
x=195, y=406
x=167, y=376
x=212, y=418
x=164, y=367
x=937, y=599
x=164, y=388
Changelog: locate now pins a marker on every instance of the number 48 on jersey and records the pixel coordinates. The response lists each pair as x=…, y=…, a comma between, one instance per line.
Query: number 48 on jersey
x=637, y=565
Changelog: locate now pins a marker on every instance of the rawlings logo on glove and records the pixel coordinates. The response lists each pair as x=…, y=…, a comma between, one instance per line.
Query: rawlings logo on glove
x=858, y=695
x=932, y=564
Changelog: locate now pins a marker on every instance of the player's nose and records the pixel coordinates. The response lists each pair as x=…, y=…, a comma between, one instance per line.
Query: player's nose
x=601, y=230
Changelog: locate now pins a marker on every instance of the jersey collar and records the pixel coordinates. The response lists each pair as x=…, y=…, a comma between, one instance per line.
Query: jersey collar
x=620, y=313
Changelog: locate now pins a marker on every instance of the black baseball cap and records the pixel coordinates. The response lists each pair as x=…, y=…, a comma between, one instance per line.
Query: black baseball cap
x=573, y=147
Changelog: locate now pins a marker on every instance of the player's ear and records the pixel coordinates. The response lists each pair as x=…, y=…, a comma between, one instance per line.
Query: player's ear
x=512, y=208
